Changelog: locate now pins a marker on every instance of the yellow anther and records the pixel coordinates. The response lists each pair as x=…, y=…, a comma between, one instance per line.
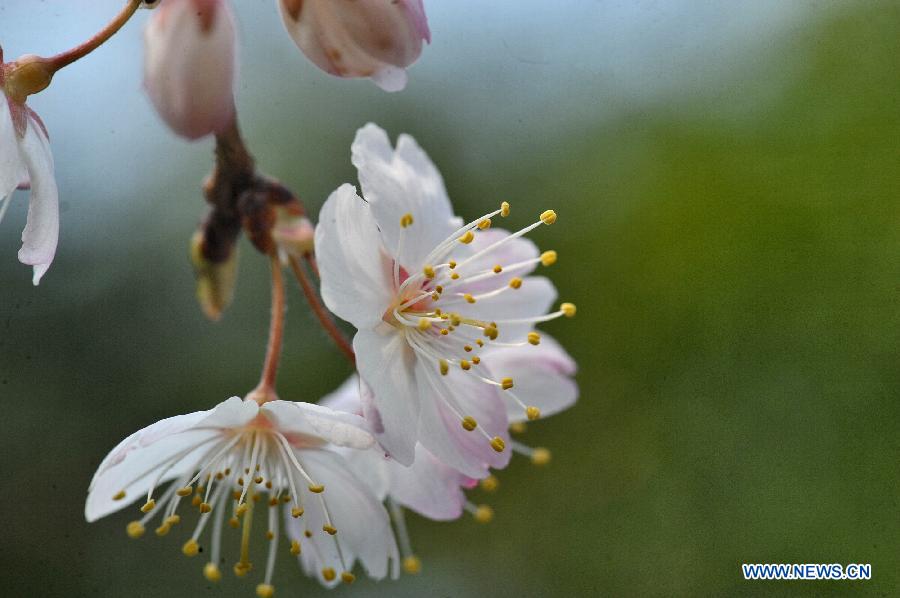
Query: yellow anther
x=273, y=502
x=119, y=495
x=286, y=498
x=468, y=348
x=265, y=590
x=479, y=342
x=296, y=512
x=469, y=423
x=295, y=547
x=534, y=338
x=428, y=271
x=186, y=491
x=497, y=444
x=516, y=283
x=506, y=383
x=220, y=476
x=455, y=319
x=316, y=488
x=490, y=483
x=455, y=276
x=504, y=209
x=233, y=522
x=307, y=533
x=498, y=269
x=438, y=289
x=241, y=568
x=329, y=574
x=452, y=264
x=548, y=258
x=476, y=360
x=568, y=309
x=205, y=507
x=270, y=535
x=163, y=529
x=348, y=577
x=548, y=217
x=135, y=530
x=258, y=479
x=406, y=220
x=540, y=456
x=469, y=298
x=424, y=323
x=329, y=529
x=486, y=223
x=484, y=514
x=467, y=238
x=435, y=296
x=191, y=548
x=444, y=331
x=236, y=495
x=196, y=500
x=242, y=508
x=173, y=519
x=412, y=564
x=533, y=413
x=148, y=506
x=465, y=365
x=491, y=333
x=518, y=427
x=444, y=366
x=212, y=572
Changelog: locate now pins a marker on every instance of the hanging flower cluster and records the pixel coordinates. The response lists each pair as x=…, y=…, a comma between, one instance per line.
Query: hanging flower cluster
x=446, y=353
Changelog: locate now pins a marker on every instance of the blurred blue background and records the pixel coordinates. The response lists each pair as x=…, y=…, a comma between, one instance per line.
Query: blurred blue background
x=726, y=176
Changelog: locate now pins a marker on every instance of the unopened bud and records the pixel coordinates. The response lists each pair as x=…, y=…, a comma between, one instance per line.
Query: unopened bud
x=215, y=281
x=189, y=68
x=366, y=38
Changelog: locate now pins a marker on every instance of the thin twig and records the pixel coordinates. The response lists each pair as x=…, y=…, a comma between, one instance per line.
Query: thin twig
x=312, y=297
x=265, y=391
x=68, y=57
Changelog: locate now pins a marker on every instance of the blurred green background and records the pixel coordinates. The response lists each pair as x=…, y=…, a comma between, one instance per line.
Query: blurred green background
x=727, y=177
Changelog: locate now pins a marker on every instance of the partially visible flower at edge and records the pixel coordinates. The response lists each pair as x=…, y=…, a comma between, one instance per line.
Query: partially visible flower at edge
x=190, y=65
x=223, y=461
x=26, y=162
x=428, y=295
x=362, y=38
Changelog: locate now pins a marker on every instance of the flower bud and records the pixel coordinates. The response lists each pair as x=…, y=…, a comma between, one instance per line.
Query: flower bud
x=189, y=68
x=362, y=38
x=215, y=280
x=26, y=76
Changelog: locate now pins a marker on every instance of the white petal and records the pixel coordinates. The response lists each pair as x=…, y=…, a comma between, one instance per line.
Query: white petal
x=356, y=278
x=345, y=398
x=396, y=183
x=511, y=252
x=364, y=530
x=12, y=169
x=41, y=234
x=386, y=362
x=319, y=422
x=534, y=298
x=429, y=487
x=542, y=376
x=390, y=78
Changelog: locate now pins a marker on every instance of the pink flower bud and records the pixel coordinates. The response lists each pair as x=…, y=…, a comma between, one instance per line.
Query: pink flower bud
x=359, y=38
x=189, y=69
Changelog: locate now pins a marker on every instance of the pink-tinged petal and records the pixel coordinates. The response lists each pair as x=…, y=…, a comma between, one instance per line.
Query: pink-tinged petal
x=313, y=422
x=387, y=364
x=534, y=298
x=190, y=65
x=358, y=38
x=429, y=487
x=441, y=431
x=345, y=398
x=41, y=234
x=542, y=376
x=356, y=276
x=399, y=182
x=12, y=170
x=364, y=529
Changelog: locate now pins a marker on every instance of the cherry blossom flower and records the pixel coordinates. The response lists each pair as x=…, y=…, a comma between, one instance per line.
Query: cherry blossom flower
x=427, y=295
x=26, y=162
x=359, y=38
x=240, y=461
x=189, y=68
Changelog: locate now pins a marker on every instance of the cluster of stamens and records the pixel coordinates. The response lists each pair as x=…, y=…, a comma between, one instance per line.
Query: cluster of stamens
x=431, y=308
x=238, y=473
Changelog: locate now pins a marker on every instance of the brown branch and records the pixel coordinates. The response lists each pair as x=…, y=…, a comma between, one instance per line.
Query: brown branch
x=265, y=390
x=312, y=297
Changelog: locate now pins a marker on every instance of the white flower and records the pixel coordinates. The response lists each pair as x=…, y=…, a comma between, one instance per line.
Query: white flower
x=359, y=38
x=26, y=161
x=428, y=295
x=224, y=460
x=189, y=68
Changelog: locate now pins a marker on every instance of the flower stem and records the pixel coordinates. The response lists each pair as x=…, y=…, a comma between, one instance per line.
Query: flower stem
x=68, y=57
x=265, y=390
x=312, y=297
